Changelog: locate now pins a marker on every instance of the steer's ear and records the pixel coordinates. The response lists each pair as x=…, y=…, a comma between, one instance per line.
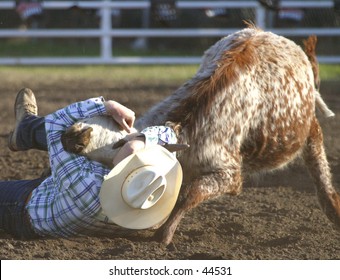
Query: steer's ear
x=177, y=127
x=75, y=140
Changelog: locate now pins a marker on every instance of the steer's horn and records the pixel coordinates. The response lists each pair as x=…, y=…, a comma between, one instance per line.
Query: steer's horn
x=176, y=147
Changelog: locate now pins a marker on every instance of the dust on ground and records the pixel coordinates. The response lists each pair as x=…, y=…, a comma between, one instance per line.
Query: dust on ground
x=277, y=216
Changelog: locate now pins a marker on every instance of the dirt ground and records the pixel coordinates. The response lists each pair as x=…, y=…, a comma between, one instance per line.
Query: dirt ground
x=276, y=217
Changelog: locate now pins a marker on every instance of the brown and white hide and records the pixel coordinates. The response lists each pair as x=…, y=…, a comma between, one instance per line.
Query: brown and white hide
x=249, y=108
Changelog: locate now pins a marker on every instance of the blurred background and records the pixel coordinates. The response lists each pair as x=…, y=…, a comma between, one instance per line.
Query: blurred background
x=168, y=31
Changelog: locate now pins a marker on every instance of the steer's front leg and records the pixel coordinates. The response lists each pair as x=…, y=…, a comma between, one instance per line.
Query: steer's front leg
x=201, y=189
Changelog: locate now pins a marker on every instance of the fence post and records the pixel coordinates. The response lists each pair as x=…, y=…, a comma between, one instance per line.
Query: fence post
x=105, y=26
x=104, y=32
x=260, y=15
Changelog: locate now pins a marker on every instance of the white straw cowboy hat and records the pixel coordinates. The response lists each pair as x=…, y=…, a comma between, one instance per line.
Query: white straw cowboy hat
x=141, y=191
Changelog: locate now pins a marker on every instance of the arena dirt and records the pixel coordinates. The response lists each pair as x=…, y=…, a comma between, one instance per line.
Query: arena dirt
x=276, y=217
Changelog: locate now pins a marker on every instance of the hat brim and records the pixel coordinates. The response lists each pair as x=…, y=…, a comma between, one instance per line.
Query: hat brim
x=113, y=204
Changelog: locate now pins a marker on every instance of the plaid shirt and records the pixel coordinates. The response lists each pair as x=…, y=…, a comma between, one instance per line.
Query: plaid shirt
x=67, y=203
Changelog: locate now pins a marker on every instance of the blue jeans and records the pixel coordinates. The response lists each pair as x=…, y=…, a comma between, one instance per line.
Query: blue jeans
x=14, y=218
x=32, y=134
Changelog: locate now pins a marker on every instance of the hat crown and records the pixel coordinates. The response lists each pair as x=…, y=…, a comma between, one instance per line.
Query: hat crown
x=156, y=177
x=143, y=187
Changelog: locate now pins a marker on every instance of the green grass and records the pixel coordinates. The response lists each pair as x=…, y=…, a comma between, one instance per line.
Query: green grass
x=116, y=74
x=125, y=74
x=329, y=72
x=46, y=47
x=23, y=47
x=87, y=47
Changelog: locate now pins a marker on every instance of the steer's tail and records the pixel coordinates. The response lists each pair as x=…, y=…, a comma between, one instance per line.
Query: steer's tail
x=310, y=46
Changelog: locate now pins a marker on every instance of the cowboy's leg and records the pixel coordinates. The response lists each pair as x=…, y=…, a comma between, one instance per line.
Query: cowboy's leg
x=29, y=131
x=14, y=218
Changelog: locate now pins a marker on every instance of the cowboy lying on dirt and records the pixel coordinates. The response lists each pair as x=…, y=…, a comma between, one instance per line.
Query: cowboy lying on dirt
x=83, y=196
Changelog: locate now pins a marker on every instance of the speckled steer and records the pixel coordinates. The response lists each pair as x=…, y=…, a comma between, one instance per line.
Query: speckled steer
x=249, y=108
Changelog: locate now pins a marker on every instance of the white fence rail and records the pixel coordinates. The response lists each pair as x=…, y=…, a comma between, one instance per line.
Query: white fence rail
x=105, y=33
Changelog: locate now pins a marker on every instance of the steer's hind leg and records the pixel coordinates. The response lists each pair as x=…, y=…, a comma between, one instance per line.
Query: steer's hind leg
x=316, y=161
x=201, y=189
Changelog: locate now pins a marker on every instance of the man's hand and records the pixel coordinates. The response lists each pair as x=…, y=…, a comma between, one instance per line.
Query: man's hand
x=129, y=148
x=121, y=114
